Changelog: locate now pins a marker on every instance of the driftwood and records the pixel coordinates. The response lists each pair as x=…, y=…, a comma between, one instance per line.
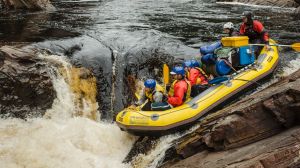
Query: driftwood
x=27, y=4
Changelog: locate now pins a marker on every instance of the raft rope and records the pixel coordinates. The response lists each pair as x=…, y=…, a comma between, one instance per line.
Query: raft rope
x=234, y=74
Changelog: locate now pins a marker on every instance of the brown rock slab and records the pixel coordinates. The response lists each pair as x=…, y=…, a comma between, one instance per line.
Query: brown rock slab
x=282, y=150
x=256, y=117
x=25, y=85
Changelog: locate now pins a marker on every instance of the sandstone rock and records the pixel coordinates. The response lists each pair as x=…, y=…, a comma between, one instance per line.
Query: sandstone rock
x=28, y=4
x=281, y=150
x=254, y=118
x=25, y=86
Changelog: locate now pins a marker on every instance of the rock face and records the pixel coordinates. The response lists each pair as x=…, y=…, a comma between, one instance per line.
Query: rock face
x=28, y=4
x=281, y=3
x=254, y=118
x=25, y=86
x=279, y=151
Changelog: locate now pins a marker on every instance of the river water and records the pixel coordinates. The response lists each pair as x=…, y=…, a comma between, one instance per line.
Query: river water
x=135, y=31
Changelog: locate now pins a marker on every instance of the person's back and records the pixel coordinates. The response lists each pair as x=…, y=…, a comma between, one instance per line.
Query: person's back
x=196, y=77
x=158, y=103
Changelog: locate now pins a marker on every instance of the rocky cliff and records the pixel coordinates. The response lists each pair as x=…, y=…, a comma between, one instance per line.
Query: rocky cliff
x=25, y=85
x=222, y=138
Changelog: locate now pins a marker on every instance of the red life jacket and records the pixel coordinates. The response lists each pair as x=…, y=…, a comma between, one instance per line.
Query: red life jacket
x=254, y=31
x=179, y=92
x=197, y=76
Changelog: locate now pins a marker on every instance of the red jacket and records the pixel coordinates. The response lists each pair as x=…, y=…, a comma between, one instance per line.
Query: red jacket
x=180, y=90
x=254, y=31
x=196, y=77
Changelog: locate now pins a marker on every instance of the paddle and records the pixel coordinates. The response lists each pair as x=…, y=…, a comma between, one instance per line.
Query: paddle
x=295, y=46
x=166, y=76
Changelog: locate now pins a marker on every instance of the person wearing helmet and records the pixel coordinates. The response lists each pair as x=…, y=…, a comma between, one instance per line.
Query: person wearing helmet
x=180, y=89
x=158, y=102
x=198, y=78
x=195, y=74
x=228, y=28
x=254, y=30
x=150, y=89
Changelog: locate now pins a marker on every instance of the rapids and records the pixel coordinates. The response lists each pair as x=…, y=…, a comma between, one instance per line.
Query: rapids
x=113, y=38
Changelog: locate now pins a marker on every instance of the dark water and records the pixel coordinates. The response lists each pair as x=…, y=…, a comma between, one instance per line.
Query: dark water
x=142, y=33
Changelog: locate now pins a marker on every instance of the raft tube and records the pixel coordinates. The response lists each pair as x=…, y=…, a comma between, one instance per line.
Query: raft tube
x=157, y=123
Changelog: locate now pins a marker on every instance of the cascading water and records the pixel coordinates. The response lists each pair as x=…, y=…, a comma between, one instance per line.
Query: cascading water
x=68, y=135
x=63, y=137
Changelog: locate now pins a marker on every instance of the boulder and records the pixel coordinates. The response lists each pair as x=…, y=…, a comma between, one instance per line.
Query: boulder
x=25, y=85
x=281, y=150
x=256, y=117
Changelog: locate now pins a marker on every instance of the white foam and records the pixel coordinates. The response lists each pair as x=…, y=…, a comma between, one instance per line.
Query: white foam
x=74, y=142
x=292, y=67
x=59, y=140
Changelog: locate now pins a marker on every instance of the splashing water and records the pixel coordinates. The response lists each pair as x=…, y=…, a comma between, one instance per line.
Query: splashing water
x=292, y=67
x=62, y=138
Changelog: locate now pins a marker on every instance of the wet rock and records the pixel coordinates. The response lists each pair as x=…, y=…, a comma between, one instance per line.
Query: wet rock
x=117, y=60
x=25, y=86
x=281, y=150
x=28, y=4
x=297, y=11
x=254, y=118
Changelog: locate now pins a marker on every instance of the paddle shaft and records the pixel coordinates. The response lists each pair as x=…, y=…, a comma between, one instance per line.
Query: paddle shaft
x=277, y=45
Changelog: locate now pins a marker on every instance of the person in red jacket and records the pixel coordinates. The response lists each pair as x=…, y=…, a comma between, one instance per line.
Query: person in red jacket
x=194, y=73
x=180, y=89
x=254, y=30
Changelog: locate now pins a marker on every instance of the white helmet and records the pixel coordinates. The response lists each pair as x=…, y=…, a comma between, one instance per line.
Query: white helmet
x=228, y=25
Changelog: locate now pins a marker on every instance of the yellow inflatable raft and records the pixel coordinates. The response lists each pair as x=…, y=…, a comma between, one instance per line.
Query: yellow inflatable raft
x=152, y=123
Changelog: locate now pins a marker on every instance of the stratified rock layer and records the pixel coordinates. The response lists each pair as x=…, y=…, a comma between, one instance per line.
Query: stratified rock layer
x=25, y=85
x=279, y=151
x=256, y=117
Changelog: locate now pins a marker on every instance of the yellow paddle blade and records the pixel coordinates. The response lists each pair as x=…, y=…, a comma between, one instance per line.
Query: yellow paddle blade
x=166, y=73
x=137, y=96
x=296, y=47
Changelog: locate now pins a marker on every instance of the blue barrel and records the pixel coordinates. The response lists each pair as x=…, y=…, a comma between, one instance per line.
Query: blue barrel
x=208, y=49
x=222, y=68
x=208, y=59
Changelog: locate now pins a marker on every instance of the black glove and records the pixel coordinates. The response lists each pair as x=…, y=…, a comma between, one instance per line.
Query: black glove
x=168, y=86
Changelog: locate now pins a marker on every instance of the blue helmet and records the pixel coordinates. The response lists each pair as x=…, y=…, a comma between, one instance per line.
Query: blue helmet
x=150, y=83
x=188, y=64
x=195, y=63
x=178, y=70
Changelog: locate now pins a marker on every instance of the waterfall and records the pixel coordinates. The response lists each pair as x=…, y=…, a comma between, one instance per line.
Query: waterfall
x=69, y=135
